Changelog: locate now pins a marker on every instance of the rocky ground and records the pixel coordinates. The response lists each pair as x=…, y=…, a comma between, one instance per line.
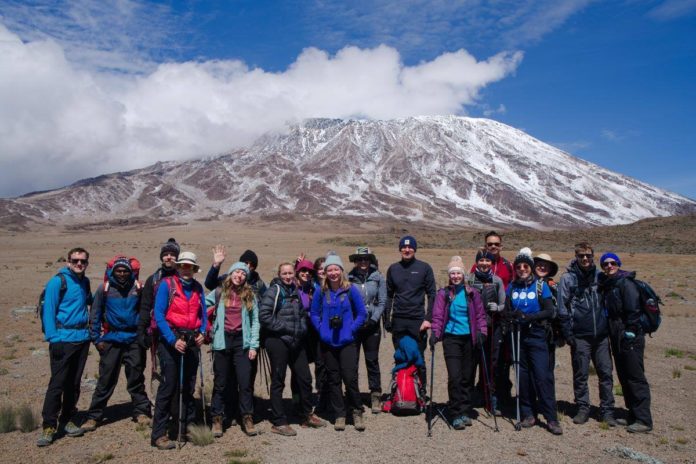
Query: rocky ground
x=29, y=259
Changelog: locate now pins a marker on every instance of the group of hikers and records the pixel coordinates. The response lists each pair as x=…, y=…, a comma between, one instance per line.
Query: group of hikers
x=497, y=316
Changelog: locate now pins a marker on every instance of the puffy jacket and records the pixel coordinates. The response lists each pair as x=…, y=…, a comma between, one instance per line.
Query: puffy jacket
x=621, y=298
x=147, y=298
x=250, y=323
x=285, y=319
x=67, y=320
x=477, y=315
x=347, y=303
x=181, y=312
x=491, y=292
x=373, y=289
x=579, y=304
x=115, y=312
x=501, y=268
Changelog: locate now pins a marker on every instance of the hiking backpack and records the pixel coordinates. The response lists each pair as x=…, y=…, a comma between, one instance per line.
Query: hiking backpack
x=135, y=269
x=651, y=316
x=406, y=396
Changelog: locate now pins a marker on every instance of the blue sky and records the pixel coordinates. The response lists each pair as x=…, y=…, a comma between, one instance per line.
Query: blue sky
x=89, y=87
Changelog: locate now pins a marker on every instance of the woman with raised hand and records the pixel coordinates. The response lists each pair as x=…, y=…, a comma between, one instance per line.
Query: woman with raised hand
x=285, y=323
x=530, y=307
x=459, y=320
x=338, y=312
x=233, y=320
x=373, y=288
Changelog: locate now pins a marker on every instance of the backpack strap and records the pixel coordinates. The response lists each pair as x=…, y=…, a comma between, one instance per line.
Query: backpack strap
x=275, y=301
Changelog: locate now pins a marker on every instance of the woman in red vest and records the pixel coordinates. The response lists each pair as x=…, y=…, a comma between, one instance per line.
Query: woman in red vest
x=180, y=314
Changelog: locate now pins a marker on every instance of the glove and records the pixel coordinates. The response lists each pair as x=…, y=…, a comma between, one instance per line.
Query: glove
x=492, y=307
x=481, y=339
x=145, y=341
x=387, y=325
x=570, y=341
x=433, y=340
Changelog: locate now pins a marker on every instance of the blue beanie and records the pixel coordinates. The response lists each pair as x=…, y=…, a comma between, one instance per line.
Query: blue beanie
x=606, y=256
x=238, y=266
x=408, y=240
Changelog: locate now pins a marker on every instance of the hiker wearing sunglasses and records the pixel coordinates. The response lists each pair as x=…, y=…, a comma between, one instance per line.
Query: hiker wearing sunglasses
x=621, y=299
x=373, y=288
x=65, y=320
x=586, y=330
x=493, y=244
x=180, y=313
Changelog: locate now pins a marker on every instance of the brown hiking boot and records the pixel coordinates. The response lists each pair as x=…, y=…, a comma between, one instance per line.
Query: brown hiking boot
x=313, y=421
x=90, y=425
x=164, y=443
x=555, y=428
x=376, y=402
x=358, y=421
x=248, y=424
x=284, y=430
x=340, y=424
x=217, y=426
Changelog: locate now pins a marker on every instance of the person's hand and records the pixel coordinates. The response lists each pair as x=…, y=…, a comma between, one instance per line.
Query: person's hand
x=252, y=355
x=180, y=346
x=571, y=341
x=218, y=255
x=387, y=325
x=433, y=340
x=199, y=339
x=424, y=326
x=101, y=346
x=492, y=307
x=300, y=257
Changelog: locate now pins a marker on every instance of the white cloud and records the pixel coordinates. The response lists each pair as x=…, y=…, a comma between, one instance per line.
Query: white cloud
x=673, y=9
x=60, y=122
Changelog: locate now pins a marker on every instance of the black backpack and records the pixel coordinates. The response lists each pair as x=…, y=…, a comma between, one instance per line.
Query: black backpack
x=651, y=316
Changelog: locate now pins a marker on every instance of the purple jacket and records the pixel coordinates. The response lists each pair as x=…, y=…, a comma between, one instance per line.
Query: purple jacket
x=477, y=315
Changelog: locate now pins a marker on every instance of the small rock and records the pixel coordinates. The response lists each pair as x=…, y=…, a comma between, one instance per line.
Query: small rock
x=39, y=352
x=88, y=384
x=23, y=310
x=17, y=376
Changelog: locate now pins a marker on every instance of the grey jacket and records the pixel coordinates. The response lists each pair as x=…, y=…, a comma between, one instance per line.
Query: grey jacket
x=373, y=290
x=580, y=306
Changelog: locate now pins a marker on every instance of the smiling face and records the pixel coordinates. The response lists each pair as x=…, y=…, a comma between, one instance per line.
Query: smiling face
x=169, y=260
x=494, y=244
x=334, y=274
x=456, y=277
x=523, y=271
x=362, y=263
x=541, y=269
x=286, y=273
x=484, y=265
x=186, y=270
x=585, y=258
x=304, y=276
x=238, y=277
x=407, y=252
x=121, y=274
x=78, y=262
x=610, y=267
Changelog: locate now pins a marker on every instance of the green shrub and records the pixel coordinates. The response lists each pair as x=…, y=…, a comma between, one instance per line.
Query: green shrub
x=8, y=419
x=618, y=391
x=676, y=373
x=200, y=435
x=677, y=353
x=28, y=420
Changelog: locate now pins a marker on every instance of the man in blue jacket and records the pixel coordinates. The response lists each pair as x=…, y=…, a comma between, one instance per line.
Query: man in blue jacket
x=65, y=319
x=409, y=281
x=113, y=328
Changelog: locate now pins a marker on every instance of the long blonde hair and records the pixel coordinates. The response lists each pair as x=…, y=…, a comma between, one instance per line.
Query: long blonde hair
x=345, y=283
x=245, y=292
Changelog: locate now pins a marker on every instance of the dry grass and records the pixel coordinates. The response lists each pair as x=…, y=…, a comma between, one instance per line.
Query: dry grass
x=8, y=419
x=200, y=435
x=28, y=419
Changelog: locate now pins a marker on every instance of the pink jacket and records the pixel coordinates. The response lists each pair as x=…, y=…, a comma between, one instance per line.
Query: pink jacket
x=477, y=315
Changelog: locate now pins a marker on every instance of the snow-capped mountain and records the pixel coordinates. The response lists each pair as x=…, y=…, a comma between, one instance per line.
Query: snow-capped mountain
x=440, y=170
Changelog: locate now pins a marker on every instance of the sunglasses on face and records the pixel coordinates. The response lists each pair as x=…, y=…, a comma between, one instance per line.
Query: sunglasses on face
x=584, y=255
x=522, y=266
x=79, y=261
x=493, y=244
x=358, y=260
x=303, y=271
x=610, y=263
x=187, y=266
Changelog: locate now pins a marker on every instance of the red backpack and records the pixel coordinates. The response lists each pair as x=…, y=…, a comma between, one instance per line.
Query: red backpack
x=405, y=393
x=135, y=269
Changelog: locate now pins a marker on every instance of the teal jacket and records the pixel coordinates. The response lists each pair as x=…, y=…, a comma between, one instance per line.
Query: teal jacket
x=250, y=323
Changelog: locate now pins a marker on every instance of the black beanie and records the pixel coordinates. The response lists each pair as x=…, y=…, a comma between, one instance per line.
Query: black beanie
x=170, y=246
x=250, y=257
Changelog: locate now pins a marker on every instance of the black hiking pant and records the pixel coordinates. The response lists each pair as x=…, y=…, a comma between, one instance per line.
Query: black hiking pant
x=167, y=400
x=132, y=356
x=411, y=327
x=342, y=369
x=459, y=359
x=67, y=364
x=628, y=357
x=369, y=341
x=281, y=357
x=597, y=350
x=313, y=356
x=232, y=377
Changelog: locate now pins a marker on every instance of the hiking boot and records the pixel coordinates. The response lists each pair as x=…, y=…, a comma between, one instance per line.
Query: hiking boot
x=376, y=402
x=340, y=424
x=164, y=443
x=638, y=427
x=555, y=428
x=140, y=419
x=581, y=417
x=217, y=426
x=248, y=424
x=46, y=437
x=90, y=425
x=622, y=422
x=610, y=421
x=284, y=430
x=358, y=422
x=72, y=430
x=528, y=422
x=313, y=421
x=461, y=422
x=495, y=409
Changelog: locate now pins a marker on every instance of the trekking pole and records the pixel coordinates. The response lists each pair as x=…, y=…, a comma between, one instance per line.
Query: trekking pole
x=487, y=380
x=516, y=332
x=181, y=401
x=200, y=362
x=432, y=380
